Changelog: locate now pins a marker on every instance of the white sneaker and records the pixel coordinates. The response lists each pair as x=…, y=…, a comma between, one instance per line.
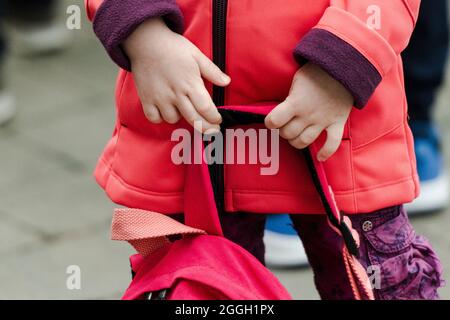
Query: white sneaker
x=433, y=196
x=434, y=185
x=7, y=107
x=284, y=251
x=40, y=39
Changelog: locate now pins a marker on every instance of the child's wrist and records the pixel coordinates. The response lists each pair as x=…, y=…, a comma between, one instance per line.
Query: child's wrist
x=148, y=32
x=334, y=86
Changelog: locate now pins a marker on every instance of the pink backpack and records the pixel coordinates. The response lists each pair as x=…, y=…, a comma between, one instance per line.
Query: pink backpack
x=193, y=261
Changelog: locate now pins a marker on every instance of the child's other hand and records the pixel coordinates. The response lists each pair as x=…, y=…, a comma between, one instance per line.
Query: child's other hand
x=316, y=102
x=168, y=72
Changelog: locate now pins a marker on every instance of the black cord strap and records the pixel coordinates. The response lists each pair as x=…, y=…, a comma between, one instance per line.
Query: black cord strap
x=350, y=242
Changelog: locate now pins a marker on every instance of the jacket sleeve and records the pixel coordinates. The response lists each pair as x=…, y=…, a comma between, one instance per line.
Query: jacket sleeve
x=115, y=20
x=358, y=42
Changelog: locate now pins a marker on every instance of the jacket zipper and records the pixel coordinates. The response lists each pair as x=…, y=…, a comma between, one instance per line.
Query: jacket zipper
x=219, y=35
x=219, y=53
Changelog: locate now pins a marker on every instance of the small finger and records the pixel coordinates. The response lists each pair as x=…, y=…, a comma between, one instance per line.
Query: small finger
x=332, y=143
x=169, y=113
x=212, y=72
x=152, y=114
x=191, y=115
x=306, y=138
x=204, y=105
x=292, y=129
x=279, y=116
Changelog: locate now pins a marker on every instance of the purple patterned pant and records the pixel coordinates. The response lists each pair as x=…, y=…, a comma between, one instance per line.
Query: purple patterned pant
x=400, y=264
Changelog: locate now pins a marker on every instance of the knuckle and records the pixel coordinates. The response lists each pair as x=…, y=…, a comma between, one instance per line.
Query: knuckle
x=208, y=63
x=197, y=53
x=334, y=136
x=291, y=105
x=308, y=137
x=185, y=88
x=288, y=133
x=304, y=139
x=203, y=107
x=181, y=103
x=159, y=100
x=215, y=68
x=171, y=96
x=147, y=99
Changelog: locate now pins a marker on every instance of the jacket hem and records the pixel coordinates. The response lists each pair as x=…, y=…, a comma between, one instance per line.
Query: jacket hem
x=123, y=194
x=263, y=202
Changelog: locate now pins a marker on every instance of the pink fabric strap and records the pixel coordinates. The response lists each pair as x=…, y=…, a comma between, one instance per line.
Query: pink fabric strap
x=357, y=277
x=147, y=231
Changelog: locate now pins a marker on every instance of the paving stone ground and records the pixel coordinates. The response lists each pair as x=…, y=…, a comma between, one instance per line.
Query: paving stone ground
x=52, y=214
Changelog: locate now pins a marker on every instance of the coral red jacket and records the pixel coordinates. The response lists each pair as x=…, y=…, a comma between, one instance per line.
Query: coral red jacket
x=357, y=41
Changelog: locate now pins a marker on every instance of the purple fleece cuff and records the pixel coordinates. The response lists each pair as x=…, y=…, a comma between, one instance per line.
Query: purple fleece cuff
x=115, y=20
x=342, y=61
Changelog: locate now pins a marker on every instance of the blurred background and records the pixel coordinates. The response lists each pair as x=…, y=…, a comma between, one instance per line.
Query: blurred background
x=56, y=101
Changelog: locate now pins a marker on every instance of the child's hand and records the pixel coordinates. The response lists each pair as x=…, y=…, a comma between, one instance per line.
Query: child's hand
x=315, y=103
x=168, y=72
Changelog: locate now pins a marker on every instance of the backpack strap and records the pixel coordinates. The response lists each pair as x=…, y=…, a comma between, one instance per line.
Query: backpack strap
x=335, y=217
x=147, y=231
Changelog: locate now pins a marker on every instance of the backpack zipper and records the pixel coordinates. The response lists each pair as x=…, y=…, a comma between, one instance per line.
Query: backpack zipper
x=219, y=35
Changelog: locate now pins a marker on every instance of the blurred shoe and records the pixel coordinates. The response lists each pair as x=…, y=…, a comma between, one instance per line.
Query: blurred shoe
x=434, y=188
x=7, y=102
x=284, y=248
x=7, y=107
x=39, y=38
